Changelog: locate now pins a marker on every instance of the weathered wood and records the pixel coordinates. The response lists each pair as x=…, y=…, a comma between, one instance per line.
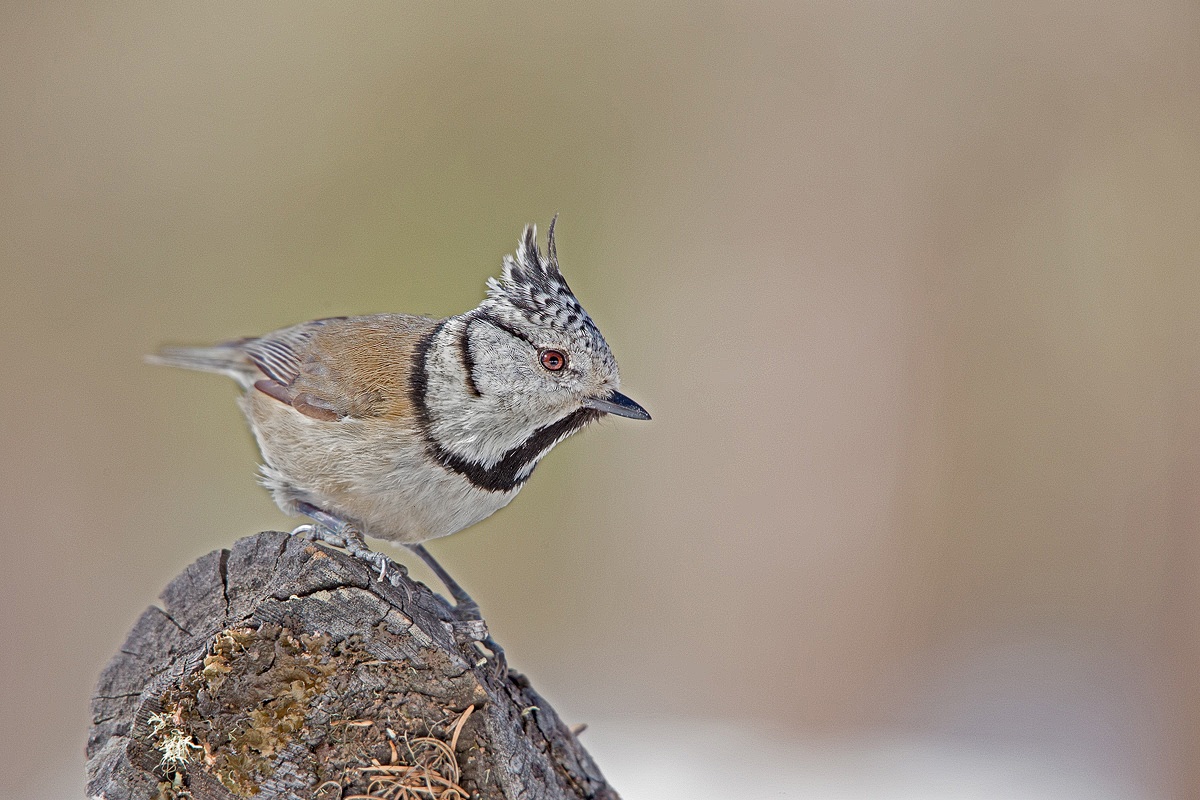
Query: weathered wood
x=283, y=669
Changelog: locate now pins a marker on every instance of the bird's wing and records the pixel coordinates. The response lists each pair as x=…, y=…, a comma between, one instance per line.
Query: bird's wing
x=342, y=367
x=278, y=354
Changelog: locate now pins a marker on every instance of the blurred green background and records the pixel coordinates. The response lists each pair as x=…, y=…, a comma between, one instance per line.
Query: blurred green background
x=911, y=290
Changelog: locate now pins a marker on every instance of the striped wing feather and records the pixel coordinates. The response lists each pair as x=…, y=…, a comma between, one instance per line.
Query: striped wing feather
x=341, y=367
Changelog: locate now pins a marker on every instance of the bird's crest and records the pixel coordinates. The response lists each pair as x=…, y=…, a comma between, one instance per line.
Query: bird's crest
x=532, y=284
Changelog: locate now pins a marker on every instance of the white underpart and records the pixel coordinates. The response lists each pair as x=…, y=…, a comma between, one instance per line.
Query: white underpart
x=371, y=473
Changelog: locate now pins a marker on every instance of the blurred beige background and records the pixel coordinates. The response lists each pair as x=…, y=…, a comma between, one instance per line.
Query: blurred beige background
x=910, y=289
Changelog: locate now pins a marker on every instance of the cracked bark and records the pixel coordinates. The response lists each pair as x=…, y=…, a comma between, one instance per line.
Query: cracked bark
x=281, y=669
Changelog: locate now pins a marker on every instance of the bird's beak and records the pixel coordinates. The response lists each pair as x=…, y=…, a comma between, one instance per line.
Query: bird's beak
x=617, y=403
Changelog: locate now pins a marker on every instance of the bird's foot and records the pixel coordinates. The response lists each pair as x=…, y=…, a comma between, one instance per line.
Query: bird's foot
x=329, y=529
x=339, y=533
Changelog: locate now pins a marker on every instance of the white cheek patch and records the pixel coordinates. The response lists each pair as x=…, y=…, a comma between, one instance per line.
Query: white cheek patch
x=501, y=362
x=479, y=427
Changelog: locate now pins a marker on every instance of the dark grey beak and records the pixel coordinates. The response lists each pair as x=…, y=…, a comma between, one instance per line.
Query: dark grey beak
x=619, y=404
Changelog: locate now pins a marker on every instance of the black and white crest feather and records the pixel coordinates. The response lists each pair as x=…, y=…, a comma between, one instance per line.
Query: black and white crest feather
x=532, y=285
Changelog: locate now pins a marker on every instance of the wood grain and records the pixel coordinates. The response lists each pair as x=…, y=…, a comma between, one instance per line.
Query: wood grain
x=282, y=669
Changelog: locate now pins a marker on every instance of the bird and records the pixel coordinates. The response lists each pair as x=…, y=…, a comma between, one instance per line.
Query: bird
x=407, y=428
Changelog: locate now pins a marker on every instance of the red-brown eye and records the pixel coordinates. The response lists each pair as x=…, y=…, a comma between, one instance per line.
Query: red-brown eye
x=554, y=360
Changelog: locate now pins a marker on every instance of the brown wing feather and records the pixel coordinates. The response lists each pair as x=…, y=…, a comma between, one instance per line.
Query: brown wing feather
x=277, y=354
x=332, y=369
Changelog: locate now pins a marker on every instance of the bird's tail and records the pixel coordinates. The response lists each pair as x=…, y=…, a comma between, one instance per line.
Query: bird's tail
x=226, y=359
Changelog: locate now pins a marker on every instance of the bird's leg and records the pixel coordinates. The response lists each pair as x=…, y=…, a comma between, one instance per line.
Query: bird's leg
x=339, y=533
x=464, y=606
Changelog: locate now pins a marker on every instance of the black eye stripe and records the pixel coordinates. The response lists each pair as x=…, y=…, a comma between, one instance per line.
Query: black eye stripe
x=488, y=318
x=514, y=468
x=484, y=316
x=467, y=360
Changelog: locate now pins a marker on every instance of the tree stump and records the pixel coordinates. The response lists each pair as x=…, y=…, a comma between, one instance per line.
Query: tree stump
x=283, y=669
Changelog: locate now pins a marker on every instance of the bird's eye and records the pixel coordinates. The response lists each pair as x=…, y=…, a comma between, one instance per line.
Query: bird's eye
x=554, y=360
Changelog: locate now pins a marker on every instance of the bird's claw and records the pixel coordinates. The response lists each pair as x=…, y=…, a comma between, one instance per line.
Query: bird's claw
x=389, y=570
x=352, y=542
x=467, y=610
x=320, y=533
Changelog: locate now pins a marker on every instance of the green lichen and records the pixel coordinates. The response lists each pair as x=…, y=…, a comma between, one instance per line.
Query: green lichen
x=250, y=699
